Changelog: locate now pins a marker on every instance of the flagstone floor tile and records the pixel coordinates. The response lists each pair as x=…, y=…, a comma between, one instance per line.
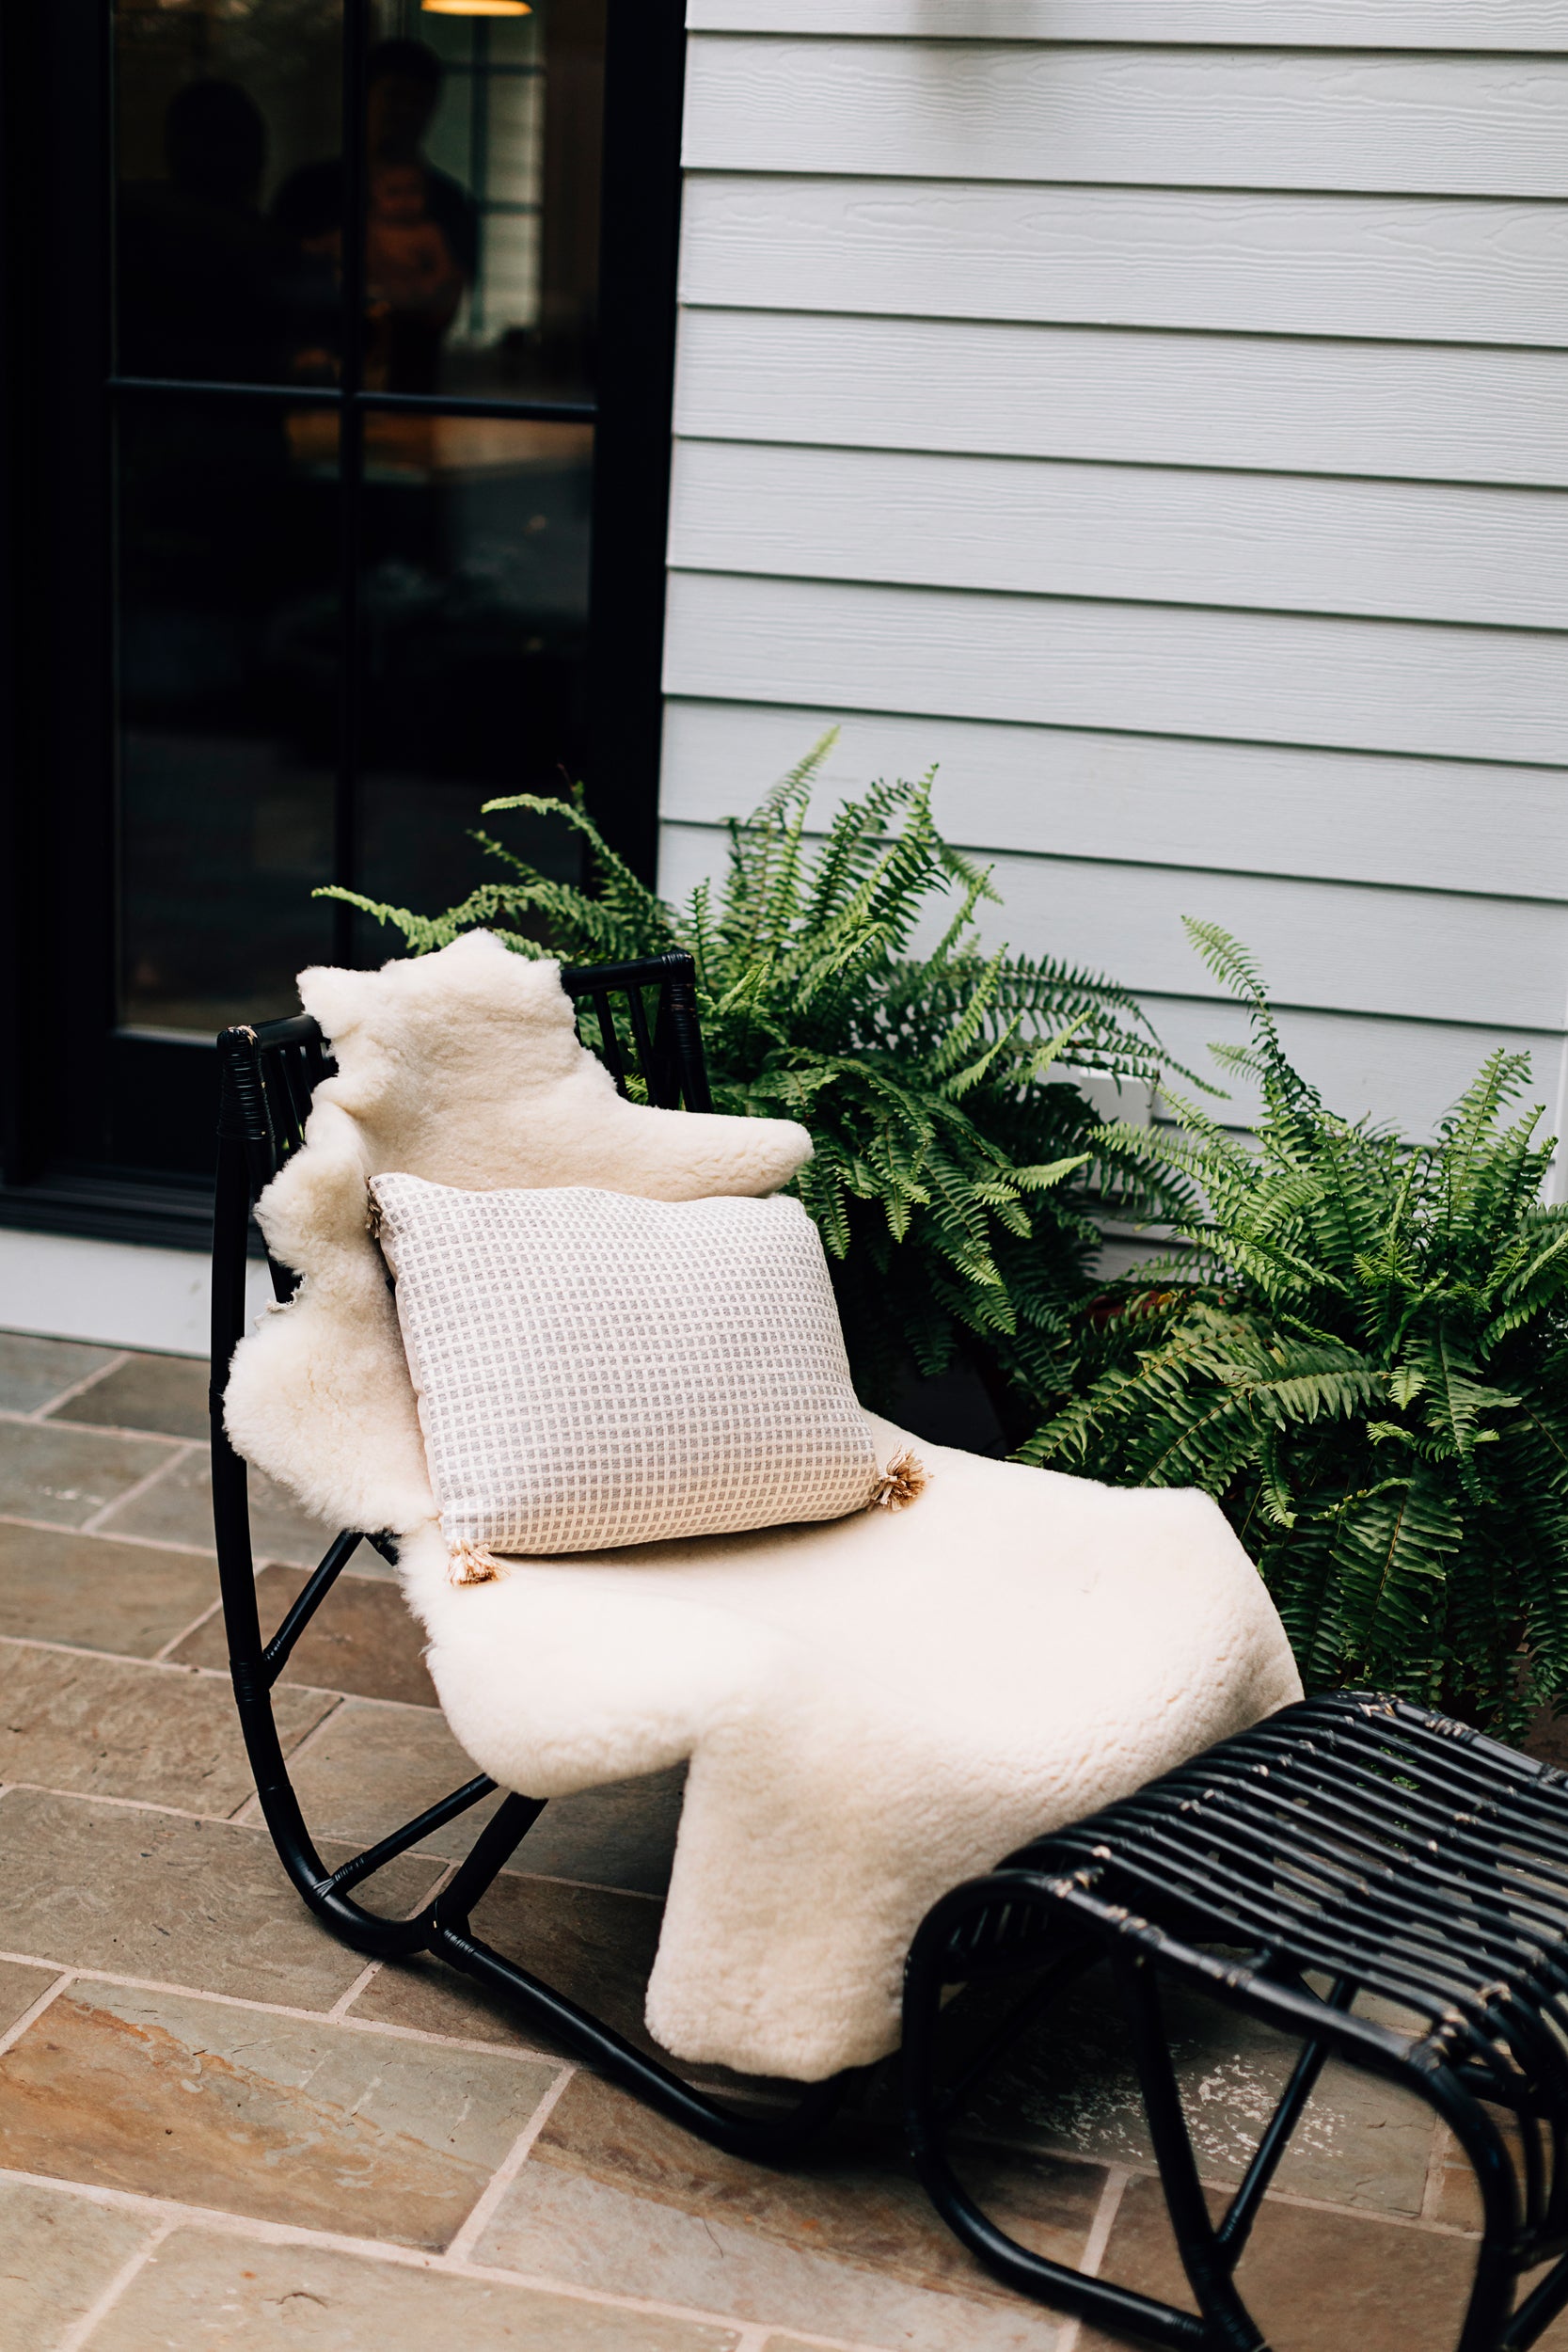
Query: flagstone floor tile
x=338, y=2126
x=32, y=1372
x=217, y=2106
x=564, y=2226
x=594, y=1945
x=163, y=1735
x=1070, y=2084
x=95, y=1593
x=363, y=1638
x=620, y=1836
x=198, y=1903
x=19, y=1987
x=205, y=2293
x=178, y=1509
x=1317, y=2282
x=64, y=1477
x=374, y=1767
x=841, y=2243
x=57, y=2254
x=164, y=1393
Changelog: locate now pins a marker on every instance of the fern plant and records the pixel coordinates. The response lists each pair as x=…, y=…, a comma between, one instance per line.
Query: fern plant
x=954, y=1166
x=1366, y=1361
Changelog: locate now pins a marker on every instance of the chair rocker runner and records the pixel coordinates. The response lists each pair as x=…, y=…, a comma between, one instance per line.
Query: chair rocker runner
x=1352, y=1840
x=268, y=1075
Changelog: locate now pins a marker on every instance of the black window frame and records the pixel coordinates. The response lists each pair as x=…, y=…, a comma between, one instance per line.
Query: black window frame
x=66, y=1076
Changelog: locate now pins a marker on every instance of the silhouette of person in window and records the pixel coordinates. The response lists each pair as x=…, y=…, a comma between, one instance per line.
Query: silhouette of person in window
x=197, y=263
x=422, y=227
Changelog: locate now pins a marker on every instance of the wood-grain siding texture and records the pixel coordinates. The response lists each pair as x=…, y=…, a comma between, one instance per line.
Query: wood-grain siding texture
x=1154, y=415
x=1475, y=26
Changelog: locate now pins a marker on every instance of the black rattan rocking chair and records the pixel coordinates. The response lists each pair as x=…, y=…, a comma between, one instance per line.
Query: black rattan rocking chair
x=268, y=1075
x=1353, y=1839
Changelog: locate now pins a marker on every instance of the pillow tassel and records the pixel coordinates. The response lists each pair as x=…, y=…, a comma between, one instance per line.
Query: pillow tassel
x=904, y=1481
x=470, y=1563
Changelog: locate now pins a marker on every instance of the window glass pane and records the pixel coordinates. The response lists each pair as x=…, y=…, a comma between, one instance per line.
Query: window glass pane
x=226, y=110
x=474, y=610
x=484, y=143
x=227, y=660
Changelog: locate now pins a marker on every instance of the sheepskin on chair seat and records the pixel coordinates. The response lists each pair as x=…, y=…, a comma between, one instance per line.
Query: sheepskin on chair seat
x=873, y=1709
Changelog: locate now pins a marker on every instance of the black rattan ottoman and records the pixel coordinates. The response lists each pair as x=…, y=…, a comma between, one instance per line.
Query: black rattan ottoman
x=1353, y=1844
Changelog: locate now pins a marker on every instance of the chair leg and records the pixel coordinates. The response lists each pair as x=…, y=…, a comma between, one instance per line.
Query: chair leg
x=1538, y=2310
x=1487, y=2325
x=1204, y=2259
x=1120, y=2310
x=1207, y=2252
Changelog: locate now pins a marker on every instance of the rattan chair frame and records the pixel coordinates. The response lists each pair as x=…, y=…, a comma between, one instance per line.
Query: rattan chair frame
x=1352, y=1845
x=269, y=1073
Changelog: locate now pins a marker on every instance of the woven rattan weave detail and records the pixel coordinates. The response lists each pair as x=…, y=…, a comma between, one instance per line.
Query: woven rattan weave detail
x=1351, y=1846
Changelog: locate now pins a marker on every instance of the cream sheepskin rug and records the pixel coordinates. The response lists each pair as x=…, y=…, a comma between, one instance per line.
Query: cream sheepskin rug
x=875, y=1708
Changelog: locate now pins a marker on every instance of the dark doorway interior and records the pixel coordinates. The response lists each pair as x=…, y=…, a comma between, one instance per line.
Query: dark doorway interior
x=339, y=354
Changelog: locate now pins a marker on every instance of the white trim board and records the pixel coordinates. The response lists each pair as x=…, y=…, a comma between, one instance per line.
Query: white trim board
x=1464, y=25
x=113, y=1292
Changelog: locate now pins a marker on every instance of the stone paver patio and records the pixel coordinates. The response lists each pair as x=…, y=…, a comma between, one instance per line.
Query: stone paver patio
x=218, y=2129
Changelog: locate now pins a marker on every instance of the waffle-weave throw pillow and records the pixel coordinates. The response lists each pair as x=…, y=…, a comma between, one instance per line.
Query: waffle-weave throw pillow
x=595, y=1369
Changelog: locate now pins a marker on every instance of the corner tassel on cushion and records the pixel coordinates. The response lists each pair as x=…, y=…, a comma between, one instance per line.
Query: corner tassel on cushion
x=470, y=1563
x=904, y=1481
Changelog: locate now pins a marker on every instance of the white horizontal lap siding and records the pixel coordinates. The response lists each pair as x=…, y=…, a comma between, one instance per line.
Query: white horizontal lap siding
x=1417, y=824
x=1064, y=529
x=1154, y=669
x=1287, y=405
x=1416, y=267
x=1154, y=413
x=1165, y=117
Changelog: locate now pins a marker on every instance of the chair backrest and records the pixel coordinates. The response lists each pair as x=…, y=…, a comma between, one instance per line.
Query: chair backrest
x=269, y=1073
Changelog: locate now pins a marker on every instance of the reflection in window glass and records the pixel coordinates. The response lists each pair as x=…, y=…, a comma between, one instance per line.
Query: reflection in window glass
x=481, y=211
x=217, y=108
x=227, y=706
x=474, y=614
x=511, y=122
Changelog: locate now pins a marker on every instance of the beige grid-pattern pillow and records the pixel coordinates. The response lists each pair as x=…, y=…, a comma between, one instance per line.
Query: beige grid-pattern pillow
x=595, y=1369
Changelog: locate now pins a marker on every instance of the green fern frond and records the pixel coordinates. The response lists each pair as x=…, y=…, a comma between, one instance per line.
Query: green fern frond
x=952, y=1176
x=1364, y=1357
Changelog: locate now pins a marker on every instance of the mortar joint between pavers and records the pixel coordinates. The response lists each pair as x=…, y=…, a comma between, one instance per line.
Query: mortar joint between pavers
x=183, y=1448
x=86, y=2327
x=162, y=1657
x=115, y=1535
x=103, y=1796
x=520, y=2053
x=507, y=2170
x=79, y=1388
x=213, y=2222
x=31, y=2014
x=345, y=2000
